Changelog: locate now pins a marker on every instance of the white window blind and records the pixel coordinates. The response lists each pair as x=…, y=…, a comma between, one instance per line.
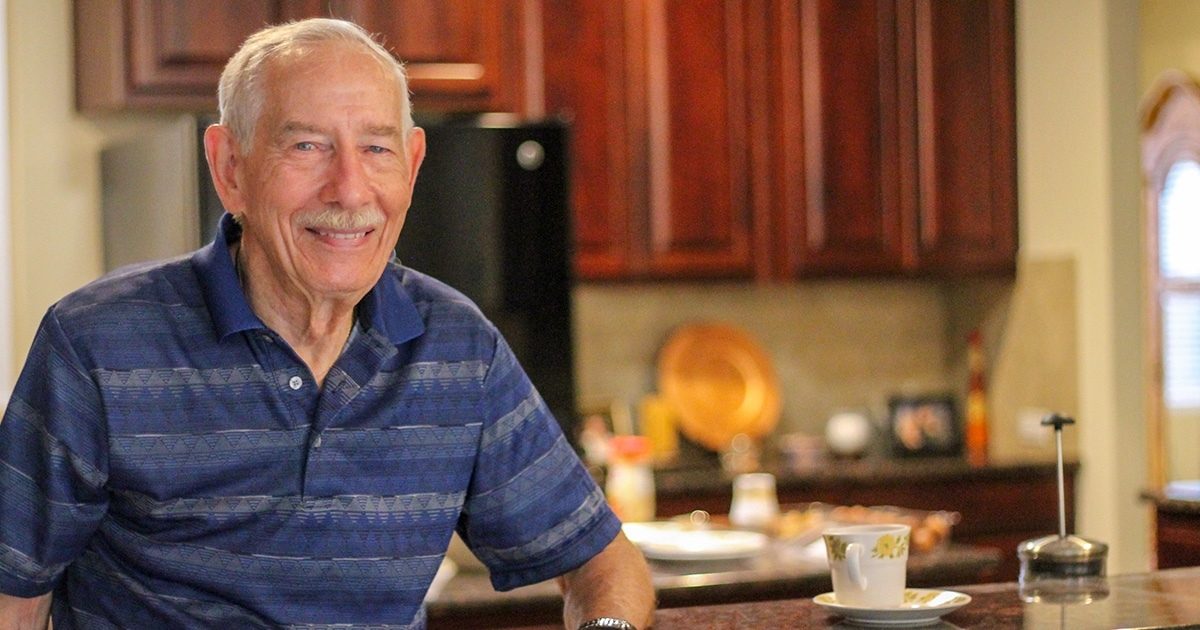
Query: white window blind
x=1179, y=260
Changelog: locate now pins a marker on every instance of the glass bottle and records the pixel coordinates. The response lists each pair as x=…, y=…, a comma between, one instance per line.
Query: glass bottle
x=977, y=420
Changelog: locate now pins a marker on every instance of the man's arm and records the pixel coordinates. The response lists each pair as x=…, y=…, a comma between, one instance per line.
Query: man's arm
x=22, y=613
x=614, y=583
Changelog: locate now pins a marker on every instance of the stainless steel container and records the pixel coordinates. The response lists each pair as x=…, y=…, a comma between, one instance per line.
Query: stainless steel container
x=1062, y=568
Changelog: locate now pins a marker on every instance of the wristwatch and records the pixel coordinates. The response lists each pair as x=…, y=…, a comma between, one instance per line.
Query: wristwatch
x=607, y=623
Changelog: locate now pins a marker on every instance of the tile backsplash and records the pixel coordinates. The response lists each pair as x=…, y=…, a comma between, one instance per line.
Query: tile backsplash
x=851, y=343
x=835, y=345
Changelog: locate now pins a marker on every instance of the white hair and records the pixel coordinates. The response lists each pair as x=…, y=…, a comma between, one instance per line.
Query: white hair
x=240, y=94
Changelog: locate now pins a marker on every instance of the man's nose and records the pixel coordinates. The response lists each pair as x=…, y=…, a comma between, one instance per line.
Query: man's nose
x=347, y=182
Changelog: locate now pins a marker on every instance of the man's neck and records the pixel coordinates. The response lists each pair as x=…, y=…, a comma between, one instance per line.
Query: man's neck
x=316, y=329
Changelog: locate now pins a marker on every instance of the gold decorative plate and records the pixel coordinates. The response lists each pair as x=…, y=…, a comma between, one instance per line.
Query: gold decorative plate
x=720, y=383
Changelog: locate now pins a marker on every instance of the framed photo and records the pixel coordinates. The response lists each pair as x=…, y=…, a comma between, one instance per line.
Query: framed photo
x=920, y=426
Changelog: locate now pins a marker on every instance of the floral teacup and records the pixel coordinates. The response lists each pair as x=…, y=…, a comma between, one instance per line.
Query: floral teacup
x=868, y=564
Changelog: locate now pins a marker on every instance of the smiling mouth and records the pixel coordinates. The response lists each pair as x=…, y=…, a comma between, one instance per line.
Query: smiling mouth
x=341, y=236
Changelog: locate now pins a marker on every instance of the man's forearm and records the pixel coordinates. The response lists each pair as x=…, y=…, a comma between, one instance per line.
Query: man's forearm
x=615, y=583
x=24, y=613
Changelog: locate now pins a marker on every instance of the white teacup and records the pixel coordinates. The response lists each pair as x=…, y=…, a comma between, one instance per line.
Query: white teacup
x=868, y=564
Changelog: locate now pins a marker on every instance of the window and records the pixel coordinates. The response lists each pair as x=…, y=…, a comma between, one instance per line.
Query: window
x=1178, y=268
x=1171, y=172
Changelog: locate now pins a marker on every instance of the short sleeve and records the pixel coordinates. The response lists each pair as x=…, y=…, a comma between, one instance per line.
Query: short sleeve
x=52, y=466
x=533, y=512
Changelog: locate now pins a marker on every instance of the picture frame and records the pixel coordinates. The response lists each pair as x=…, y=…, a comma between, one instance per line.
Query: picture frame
x=925, y=426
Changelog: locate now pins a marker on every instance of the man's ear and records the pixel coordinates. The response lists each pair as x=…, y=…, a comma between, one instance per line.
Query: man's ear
x=416, y=154
x=225, y=163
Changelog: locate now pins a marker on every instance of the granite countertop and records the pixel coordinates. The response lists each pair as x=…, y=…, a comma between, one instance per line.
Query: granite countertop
x=1156, y=599
x=468, y=600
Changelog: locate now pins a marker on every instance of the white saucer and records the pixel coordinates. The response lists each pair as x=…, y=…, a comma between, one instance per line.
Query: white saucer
x=921, y=607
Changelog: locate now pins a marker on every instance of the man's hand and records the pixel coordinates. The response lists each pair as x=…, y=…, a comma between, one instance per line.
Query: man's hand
x=614, y=583
x=21, y=613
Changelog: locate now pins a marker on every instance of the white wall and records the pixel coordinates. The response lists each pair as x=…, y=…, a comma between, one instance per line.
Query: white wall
x=1079, y=197
x=55, y=170
x=6, y=301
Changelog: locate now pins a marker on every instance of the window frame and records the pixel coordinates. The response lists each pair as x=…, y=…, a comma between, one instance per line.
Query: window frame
x=1170, y=134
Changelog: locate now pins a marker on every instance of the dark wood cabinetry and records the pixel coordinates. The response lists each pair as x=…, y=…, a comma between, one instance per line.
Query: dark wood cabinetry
x=895, y=134
x=843, y=187
x=463, y=55
x=774, y=138
x=764, y=139
x=665, y=99
x=966, y=135
x=1176, y=531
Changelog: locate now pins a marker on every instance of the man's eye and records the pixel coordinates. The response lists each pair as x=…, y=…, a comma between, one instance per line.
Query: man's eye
x=374, y=148
x=306, y=146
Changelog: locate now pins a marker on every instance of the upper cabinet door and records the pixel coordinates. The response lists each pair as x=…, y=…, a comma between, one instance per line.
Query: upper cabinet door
x=669, y=133
x=585, y=65
x=699, y=91
x=463, y=55
x=840, y=192
x=966, y=136
x=162, y=53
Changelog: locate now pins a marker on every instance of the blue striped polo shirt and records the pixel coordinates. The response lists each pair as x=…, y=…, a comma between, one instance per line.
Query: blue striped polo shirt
x=166, y=460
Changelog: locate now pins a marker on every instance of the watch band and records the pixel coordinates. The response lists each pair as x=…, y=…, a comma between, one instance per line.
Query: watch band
x=606, y=623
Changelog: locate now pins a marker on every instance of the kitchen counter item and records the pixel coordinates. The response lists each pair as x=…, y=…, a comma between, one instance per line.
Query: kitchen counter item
x=720, y=382
x=671, y=540
x=1063, y=568
x=849, y=433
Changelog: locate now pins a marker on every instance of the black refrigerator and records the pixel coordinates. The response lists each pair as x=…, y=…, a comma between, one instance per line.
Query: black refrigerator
x=490, y=217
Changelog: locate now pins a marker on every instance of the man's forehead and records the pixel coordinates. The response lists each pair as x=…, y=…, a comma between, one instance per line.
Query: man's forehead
x=368, y=128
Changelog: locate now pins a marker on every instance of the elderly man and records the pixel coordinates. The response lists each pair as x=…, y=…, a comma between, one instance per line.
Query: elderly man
x=285, y=427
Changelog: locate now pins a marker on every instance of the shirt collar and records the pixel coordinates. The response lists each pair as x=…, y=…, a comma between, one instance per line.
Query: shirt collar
x=384, y=308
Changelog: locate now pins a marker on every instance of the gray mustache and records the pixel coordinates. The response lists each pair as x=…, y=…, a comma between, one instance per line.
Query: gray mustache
x=338, y=219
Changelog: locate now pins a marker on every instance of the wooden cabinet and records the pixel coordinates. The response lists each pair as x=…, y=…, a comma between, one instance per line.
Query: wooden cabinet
x=784, y=138
x=895, y=136
x=843, y=191
x=462, y=55
x=668, y=120
x=1176, y=531
x=966, y=136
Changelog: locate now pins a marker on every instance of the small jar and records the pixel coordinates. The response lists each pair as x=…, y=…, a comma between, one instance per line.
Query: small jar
x=755, y=504
x=629, y=486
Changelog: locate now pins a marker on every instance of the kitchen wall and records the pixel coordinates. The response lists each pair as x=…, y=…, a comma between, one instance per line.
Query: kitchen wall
x=1064, y=334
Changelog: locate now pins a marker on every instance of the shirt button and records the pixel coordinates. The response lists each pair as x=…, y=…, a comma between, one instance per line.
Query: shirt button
x=317, y=442
x=295, y=382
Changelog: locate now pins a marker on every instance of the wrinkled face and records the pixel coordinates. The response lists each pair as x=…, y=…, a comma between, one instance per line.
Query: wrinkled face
x=327, y=185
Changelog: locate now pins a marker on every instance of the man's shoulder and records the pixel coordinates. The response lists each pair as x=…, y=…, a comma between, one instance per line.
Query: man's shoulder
x=170, y=282
x=432, y=297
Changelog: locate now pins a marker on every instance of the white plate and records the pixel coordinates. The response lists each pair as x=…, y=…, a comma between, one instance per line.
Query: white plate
x=671, y=541
x=921, y=607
